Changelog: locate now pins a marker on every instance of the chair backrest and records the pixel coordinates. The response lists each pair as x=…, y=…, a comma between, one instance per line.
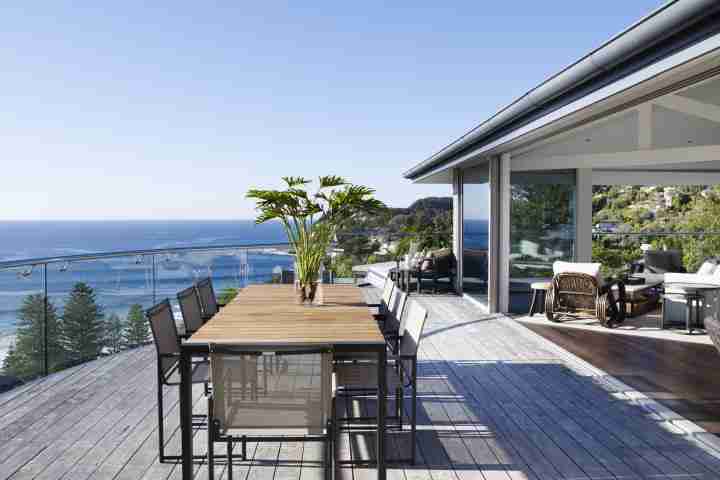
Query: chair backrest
x=394, y=316
x=387, y=290
x=663, y=261
x=295, y=397
x=414, y=325
x=207, y=297
x=164, y=330
x=191, y=309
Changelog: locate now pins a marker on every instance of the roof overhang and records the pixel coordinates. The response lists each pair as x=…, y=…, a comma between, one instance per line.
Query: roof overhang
x=653, y=54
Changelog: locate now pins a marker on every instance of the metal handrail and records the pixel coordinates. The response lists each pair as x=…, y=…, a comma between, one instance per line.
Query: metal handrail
x=655, y=234
x=132, y=253
x=151, y=253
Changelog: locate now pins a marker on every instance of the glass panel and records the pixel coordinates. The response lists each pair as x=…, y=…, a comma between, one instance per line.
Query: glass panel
x=101, y=305
x=22, y=325
x=476, y=215
x=542, y=229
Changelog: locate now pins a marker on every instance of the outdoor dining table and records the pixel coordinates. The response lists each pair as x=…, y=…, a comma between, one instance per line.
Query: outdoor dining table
x=267, y=317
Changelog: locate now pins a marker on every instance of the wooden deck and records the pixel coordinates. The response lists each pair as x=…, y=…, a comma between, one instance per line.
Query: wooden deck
x=497, y=401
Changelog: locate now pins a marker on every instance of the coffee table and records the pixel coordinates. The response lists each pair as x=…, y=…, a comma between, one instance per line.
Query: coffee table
x=694, y=298
x=641, y=298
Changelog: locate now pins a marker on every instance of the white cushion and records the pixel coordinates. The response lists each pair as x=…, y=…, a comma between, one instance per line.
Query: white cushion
x=691, y=278
x=592, y=269
x=707, y=268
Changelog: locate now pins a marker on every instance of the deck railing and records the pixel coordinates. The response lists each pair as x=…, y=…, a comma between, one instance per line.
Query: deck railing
x=61, y=311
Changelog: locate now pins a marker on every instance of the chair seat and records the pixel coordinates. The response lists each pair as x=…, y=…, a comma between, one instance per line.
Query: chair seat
x=360, y=376
x=200, y=374
x=348, y=356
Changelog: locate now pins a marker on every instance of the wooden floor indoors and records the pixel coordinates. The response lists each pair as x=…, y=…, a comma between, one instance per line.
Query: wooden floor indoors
x=681, y=375
x=497, y=401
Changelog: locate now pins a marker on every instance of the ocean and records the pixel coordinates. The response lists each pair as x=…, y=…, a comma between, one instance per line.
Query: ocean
x=121, y=282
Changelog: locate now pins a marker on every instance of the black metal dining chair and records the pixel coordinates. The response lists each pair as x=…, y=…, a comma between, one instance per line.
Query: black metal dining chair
x=167, y=345
x=191, y=309
x=360, y=379
x=295, y=405
x=208, y=300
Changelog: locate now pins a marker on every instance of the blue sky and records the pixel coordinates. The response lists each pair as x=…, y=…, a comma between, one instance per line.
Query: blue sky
x=115, y=110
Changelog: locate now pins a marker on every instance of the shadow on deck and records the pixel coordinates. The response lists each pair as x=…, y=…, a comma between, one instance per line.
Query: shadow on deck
x=496, y=401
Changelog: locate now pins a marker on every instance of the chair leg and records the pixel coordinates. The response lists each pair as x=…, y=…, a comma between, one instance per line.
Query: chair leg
x=161, y=419
x=533, y=302
x=229, y=459
x=413, y=419
x=211, y=450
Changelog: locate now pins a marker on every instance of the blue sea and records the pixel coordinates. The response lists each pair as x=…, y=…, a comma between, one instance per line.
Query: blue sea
x=121, y=282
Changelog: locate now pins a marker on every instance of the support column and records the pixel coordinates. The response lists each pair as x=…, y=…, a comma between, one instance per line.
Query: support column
x=503, y=247
x=583, y=215
x=457, y=216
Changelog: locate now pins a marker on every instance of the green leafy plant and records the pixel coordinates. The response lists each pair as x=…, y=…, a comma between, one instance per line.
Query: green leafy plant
x=311, y=220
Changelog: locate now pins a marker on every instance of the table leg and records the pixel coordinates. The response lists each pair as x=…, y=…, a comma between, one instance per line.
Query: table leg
x=382, y=388
x=186, y=414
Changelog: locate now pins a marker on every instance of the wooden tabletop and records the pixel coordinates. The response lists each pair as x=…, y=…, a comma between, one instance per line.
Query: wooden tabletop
x=270, y=315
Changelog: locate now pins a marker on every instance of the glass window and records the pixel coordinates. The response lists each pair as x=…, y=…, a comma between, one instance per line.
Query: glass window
x=542, y=229
x=476, y=216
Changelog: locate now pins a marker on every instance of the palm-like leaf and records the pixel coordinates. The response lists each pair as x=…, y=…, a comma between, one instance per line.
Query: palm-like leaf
x=331, y=181
x=311, y=222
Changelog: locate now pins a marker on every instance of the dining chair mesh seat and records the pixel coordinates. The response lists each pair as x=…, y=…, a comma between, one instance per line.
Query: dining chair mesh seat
x=207, y=297
x=167, y=346
x=191, y=309
x=294, y=404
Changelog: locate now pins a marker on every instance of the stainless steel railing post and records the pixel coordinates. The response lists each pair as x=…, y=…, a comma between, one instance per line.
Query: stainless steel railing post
x=46, y=366
x=154, y=280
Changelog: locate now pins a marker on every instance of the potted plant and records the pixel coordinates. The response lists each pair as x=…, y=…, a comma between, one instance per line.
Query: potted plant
x=311, y=220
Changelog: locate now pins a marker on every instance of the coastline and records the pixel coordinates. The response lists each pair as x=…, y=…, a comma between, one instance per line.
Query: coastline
x=6, y=341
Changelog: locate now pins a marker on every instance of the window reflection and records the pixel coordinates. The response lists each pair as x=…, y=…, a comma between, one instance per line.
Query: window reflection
x=542, y=229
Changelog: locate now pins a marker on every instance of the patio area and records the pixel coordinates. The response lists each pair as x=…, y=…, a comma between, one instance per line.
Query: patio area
x=496, y=401
x=643, y=326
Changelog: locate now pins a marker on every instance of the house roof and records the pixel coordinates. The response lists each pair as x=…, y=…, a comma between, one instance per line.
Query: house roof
x=672, y=27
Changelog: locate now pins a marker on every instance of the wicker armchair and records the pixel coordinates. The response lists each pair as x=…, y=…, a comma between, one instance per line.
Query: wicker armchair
x=579, y=293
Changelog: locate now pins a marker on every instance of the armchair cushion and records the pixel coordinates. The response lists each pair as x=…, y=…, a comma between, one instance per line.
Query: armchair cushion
x=691, y=278
x=592, y=269
x=707, y=268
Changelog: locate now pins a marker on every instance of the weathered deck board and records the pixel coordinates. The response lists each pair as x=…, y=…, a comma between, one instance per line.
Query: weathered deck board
x=496, y=402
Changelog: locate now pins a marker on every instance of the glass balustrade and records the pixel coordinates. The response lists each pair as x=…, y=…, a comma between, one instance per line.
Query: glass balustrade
x=59, y=312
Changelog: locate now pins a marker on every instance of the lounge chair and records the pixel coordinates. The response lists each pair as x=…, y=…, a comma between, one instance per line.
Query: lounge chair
x=439, y=265
x=578, y=289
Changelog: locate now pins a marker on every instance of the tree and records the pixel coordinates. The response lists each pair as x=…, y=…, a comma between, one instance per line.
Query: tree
x=82, y=329
x=26, y=358
x=115, y=333
x=137, y=331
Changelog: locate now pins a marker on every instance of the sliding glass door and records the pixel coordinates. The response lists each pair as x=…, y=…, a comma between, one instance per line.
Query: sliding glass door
x=542, y=229
x=476, y=218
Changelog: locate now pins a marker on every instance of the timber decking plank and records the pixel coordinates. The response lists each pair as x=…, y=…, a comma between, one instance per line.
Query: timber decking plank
x=494, y=404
